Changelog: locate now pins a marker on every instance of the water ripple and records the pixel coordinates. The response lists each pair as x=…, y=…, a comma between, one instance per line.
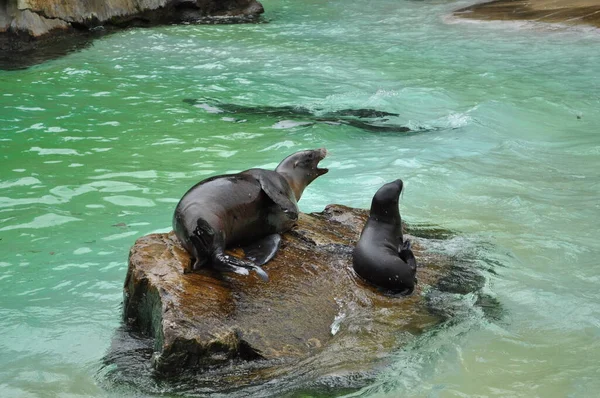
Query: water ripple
x=25, y=181
x=44, y=221
x=133, y=174
x=127, y=201
x=55, y=151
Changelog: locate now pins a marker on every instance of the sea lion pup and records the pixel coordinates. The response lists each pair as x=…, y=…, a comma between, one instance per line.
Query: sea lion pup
x=248, y=208
x=381, y=257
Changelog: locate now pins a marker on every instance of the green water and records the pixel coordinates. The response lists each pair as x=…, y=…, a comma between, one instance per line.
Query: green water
x=98, y=147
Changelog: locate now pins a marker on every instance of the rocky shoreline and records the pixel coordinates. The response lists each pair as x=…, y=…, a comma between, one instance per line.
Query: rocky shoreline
x=570, y=12
x=32, y=31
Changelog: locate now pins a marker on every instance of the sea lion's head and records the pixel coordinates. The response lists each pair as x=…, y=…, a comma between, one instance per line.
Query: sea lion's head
x=302, y=168
x=384, y=206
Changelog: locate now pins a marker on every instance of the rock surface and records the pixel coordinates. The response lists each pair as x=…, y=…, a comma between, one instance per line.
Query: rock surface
x=563, y=11
x=27, y=25
x=313, y=302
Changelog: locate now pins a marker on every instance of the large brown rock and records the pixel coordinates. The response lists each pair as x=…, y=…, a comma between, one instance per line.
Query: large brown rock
x=314, y=305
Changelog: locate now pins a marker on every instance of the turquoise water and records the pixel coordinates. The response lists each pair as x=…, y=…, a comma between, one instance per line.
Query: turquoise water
x=97, y=148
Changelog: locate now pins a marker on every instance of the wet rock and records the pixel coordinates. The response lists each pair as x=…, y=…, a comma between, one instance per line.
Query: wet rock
x=562, y=11
x=313, y=304
x=28, y=27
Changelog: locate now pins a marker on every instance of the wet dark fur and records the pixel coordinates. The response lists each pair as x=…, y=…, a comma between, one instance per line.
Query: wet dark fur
x=381, y=256
x=237, y=209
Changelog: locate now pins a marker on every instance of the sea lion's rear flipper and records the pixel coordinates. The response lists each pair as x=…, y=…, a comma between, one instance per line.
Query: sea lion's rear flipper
x=227, y=263
x=277, y=192
x=406, y=254
x=406, y=245
x=263, y=250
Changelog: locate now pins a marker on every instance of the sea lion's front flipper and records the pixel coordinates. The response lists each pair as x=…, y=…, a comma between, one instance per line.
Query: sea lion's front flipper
x=263, y=250
x=277, y=192
x=225, y=262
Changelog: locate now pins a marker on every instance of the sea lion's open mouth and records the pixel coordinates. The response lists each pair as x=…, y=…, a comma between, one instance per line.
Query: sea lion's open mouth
x=322, y=154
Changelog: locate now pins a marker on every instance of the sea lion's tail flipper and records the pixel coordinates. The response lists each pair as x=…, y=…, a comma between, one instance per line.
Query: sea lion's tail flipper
x=406, y=245
x=227, y=263
x=262, y=251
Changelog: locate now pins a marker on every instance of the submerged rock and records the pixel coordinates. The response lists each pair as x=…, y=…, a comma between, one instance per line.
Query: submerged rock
x=37, y=28
x=314, y=306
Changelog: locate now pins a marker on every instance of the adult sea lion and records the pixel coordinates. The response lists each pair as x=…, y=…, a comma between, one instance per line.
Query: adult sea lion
x=248, y=208
x=381, y=256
